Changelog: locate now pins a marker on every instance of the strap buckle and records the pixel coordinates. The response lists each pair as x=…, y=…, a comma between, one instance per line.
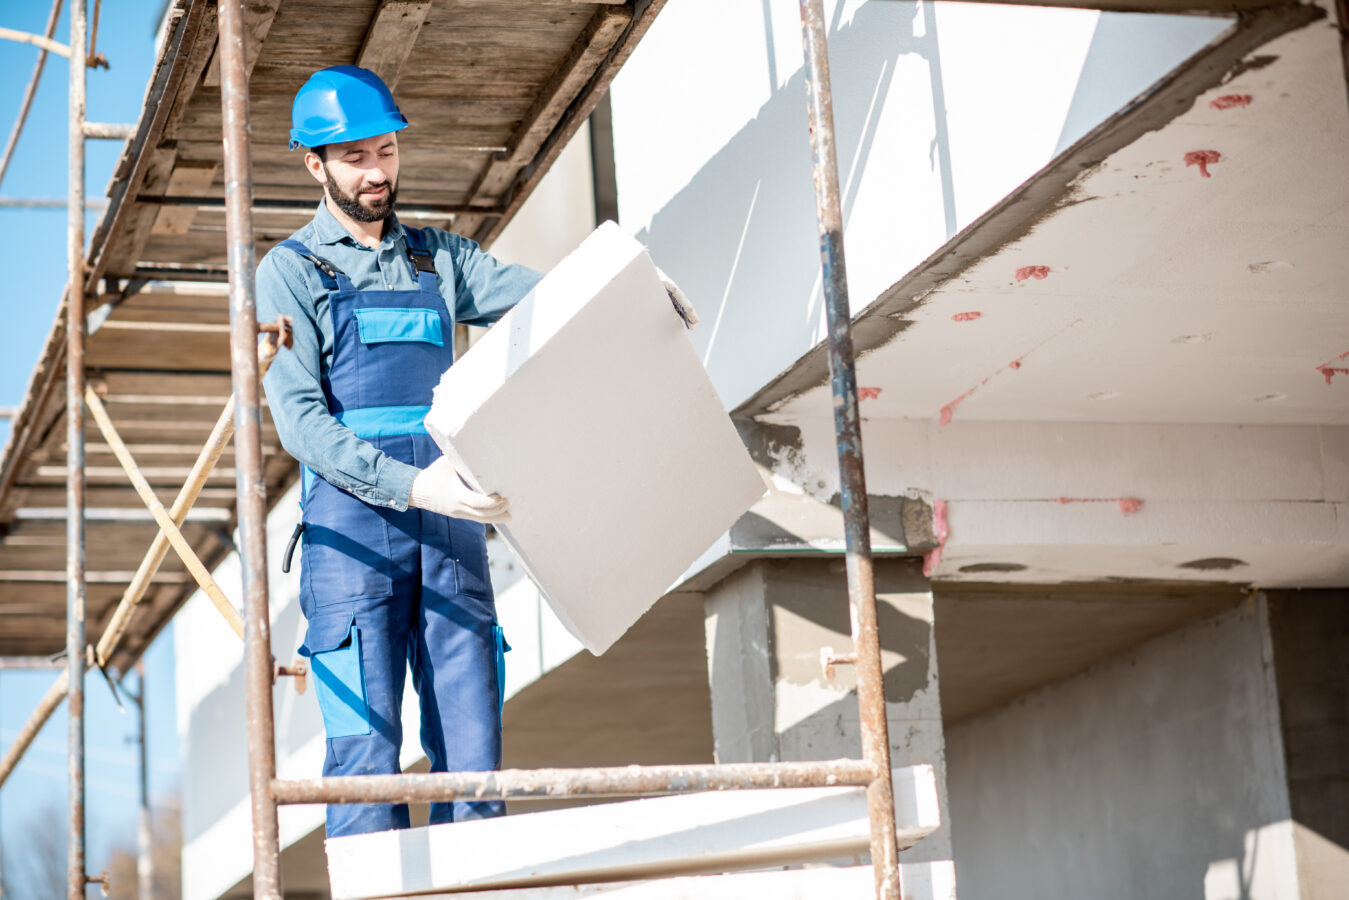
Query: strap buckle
x=422, y=261
x=326, y=267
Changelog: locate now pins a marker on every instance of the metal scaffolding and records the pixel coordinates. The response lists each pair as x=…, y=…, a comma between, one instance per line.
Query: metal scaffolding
x=242, y=418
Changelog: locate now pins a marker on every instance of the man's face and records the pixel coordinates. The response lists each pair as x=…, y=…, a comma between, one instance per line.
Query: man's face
x=361, y=177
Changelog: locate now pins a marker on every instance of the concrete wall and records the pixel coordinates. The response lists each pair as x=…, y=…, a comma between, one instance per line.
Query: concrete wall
x=1310, y=634
x=767, y=626
x=1159, y=773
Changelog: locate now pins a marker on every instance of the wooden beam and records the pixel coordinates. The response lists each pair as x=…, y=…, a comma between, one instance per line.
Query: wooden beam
x=258, y=17
x=125, y=247
x=571, y=76
x=388, y=42
x=188, y=179
x=198, y=55
x=489, y=228
x=173, y=77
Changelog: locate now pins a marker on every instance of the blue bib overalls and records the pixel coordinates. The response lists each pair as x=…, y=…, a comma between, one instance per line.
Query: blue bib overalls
x=382, y=589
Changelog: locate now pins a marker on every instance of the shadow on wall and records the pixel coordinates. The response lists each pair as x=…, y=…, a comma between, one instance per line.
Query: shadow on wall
x=807, y=607
x=741, y=237
x=1115, y=69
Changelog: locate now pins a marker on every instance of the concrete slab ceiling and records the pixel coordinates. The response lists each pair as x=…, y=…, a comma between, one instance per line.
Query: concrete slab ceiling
x=1183, y=262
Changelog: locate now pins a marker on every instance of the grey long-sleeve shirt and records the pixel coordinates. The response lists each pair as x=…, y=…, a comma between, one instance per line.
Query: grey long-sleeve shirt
x=477, y=288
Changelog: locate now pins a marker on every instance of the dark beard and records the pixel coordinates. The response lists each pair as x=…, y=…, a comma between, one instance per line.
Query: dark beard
x=352, y=206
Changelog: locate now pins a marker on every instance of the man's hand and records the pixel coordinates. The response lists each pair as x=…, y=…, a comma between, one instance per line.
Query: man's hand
x=683, y=308
x=440, y=488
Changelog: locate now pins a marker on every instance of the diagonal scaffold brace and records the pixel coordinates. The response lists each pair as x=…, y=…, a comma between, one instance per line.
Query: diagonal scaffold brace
x=170, y=533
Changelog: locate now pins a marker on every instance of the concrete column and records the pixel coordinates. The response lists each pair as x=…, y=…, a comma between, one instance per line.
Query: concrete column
x=767, y=625
x=1309, y=633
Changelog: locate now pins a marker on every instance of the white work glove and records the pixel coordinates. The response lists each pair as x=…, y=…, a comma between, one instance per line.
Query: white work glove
x=440, y=488
x=683, y=308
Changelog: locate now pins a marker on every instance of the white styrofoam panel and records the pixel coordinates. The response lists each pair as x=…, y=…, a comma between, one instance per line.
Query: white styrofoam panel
x=1170, y=296
x=685, y=834
x=587, y=408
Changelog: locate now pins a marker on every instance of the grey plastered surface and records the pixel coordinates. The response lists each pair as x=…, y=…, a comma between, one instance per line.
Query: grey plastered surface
x=588, y=409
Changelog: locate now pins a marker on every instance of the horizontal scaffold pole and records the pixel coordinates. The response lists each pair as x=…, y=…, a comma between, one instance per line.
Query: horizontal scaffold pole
x=560, y=784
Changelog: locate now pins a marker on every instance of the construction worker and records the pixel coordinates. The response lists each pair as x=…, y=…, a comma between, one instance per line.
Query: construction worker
x=394, y=559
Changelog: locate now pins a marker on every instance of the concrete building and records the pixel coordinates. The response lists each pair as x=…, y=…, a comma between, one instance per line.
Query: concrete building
x=1096, y=268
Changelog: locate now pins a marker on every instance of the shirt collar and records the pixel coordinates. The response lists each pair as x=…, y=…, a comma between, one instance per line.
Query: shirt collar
x=330, y=231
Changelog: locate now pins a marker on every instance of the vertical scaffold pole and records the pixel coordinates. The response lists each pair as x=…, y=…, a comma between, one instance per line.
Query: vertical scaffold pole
x=75, y=871
x=145, y=870
x=852, y=480
x=252, y=488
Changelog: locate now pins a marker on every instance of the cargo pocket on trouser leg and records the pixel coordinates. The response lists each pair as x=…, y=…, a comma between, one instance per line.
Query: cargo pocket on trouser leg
x=333, y=645
x=499, y=641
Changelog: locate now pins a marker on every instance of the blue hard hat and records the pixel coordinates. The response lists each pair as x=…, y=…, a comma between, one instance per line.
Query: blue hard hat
x=342, y=103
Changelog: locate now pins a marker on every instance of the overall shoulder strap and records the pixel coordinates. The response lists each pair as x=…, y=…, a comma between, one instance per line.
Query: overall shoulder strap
x=333, y=277
x=423, y=265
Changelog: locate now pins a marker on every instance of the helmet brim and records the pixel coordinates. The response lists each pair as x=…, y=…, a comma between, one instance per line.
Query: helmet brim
x=343, y=133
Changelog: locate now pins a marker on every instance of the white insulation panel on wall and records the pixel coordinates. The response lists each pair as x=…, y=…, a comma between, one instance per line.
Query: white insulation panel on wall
x=588, y=409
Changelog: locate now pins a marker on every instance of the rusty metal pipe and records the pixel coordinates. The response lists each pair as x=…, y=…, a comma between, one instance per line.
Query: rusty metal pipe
x=167, y=526
x=75, y=532
x=248, y=459
x=145, y=870
x=848, y=429
x=109, y=131
x=560, y=784
x=46, y=44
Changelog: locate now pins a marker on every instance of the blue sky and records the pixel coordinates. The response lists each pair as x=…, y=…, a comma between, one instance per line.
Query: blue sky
x=34, y=260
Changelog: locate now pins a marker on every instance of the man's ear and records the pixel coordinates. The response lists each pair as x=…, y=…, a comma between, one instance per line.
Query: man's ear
x=315, y=166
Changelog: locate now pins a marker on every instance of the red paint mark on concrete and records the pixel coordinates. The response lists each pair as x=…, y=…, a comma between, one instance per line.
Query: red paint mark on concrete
x=1231, y=101
x=1127, y=505
x=932, y=558
x=868, y=393
x=1330, y=370
x=1039, y=273
x=949, y=409
x=1203, y=159
x=966, y=316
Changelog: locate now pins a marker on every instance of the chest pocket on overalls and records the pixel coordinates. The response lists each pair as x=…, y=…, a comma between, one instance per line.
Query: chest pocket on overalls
x=390, y=324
